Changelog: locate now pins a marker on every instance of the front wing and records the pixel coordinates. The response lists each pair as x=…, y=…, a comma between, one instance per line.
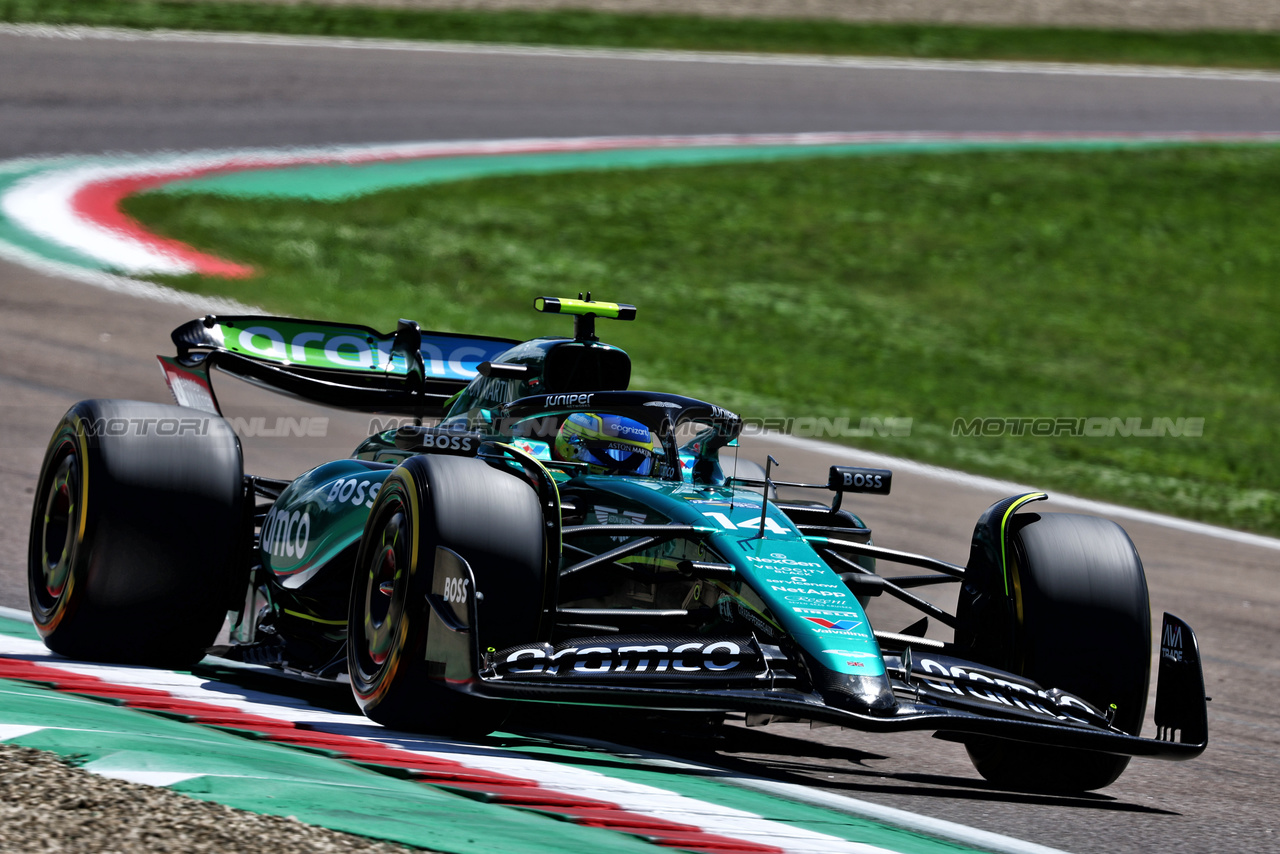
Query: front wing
x=925, y=700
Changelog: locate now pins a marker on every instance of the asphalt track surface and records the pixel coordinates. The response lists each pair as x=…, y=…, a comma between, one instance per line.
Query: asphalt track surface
x=61, y=341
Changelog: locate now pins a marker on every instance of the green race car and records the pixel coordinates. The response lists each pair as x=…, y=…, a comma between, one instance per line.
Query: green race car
x=552, y=536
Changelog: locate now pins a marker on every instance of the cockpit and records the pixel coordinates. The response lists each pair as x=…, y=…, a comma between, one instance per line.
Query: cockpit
x=553, y=365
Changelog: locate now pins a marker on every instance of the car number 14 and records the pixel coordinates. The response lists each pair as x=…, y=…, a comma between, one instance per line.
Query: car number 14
x=754, y=524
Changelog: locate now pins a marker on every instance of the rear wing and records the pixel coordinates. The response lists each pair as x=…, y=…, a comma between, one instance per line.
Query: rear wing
x=405, y=372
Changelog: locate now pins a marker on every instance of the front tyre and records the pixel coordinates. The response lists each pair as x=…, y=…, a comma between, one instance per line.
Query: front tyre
x=430, y=512
x=1083, y=624
x=136, y=534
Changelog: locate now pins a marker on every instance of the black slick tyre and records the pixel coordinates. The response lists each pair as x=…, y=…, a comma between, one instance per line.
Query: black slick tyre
x=138, y=533
x=1083, y=624
x=433, y=505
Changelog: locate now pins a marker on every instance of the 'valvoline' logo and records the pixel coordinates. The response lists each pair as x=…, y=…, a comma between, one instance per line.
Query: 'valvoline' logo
x=838, y=625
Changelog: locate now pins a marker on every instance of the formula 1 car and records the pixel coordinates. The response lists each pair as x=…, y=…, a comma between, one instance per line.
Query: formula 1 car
x=556, y=537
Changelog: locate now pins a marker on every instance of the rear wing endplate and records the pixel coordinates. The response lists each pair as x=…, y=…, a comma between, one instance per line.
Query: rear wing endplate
x=405, y=372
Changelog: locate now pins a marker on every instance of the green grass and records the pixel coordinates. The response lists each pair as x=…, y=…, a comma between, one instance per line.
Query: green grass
x=670, y=31
x=934, y=287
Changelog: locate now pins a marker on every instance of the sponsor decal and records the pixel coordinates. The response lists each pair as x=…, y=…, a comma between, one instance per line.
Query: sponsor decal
x=860, y=480
x=625, y=657
x=799, y=599
x=554, y=400
x=1171, y=642
x=783, y=560
x=624, y=430
x=286, y=533
x=807, y=591
x=446, y=442
x=850, y=653
x=823, y=612
x=312, y=347
x=444, y=358
x=455, y=589
x=803, y=581
x=617, y=446
x=613, y=516
x=799, y=575
x=838, y=625
x=347, y=349
x=1003, y=692
x=353, y=491
x=189, y=388
x=817, y=630
x=854, y=479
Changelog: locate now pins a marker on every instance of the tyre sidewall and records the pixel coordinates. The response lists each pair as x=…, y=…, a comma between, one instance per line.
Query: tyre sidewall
x=159, y=536
x=494, y=522
x=1082, y=623
x=372, y=680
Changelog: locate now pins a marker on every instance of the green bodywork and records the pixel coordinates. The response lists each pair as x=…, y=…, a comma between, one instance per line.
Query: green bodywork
x=783, y=577
x=319, y=516
x=781, y=588
x=313, y=345
x=785, y=586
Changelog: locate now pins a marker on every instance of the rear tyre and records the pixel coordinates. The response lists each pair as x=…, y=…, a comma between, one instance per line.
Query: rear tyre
x=136, y=534
x=1085, y=627
x=491, y=520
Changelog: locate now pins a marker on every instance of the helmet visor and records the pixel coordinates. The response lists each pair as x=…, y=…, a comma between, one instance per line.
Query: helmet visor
x=620, y=459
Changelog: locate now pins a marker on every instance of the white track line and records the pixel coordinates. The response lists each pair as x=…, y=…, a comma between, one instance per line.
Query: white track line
x=123, y=284
x=632, y=796
x=47, y=203
x=643, y=55
x=842, y=803
x=41, y=204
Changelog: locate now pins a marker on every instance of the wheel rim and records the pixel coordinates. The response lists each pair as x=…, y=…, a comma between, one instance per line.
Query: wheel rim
x=59, y=528
x=385, y=590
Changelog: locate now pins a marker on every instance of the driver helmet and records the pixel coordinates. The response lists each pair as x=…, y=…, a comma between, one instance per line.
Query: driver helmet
x=608, y=444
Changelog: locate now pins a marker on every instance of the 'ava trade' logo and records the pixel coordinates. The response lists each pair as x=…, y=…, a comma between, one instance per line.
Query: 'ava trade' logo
x=838, y=625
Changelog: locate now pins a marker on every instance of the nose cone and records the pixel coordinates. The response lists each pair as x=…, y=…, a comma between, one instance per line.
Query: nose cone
x=863, y=693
